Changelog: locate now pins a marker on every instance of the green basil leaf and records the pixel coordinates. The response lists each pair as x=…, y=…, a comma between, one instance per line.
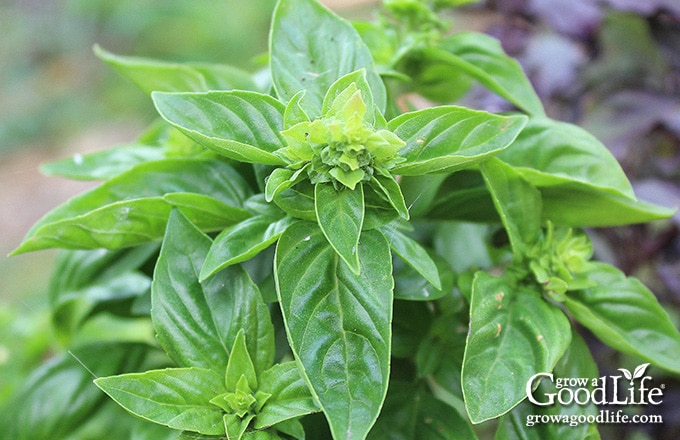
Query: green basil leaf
x=549, y=153
x=73, y=307
x=517, y=202
x=244, y=126
x=338, y=323
x=624, y=314
x=294, y=112
x=290, y=396
x=236, y=426
x=572, y=204
x=77, y=270
x=103, y=165
x=450, y=138
x=308, y=52
x=59, y=396
x=340, y=214
x=298, y=201
x=133, y=207
x=359, y=79
x=174, y=397
x=240, y=364
x=280, y=180
x=150, y=75
x=198, y=323
x=513, y=334
x=242, y=242
x=577, y=362
x=390, y=189
x=412, y=414
x=410, y=284
x=414, y=255
x=482, y=57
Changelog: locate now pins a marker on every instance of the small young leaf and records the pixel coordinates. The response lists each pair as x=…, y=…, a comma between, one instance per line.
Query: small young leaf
x=357, y=78
x=338, y=323
x=414, y=255
x=174, y=397
x=517, y=202
x=513, y=335
x=242, y=242
x=450, y=138
x=290, y=396
x=624, y=314
x=340, y=214
x=240, y=364
x=390, y=189
x=244, y=126
x=294, y=112
x=308, y=52
x=198, y=323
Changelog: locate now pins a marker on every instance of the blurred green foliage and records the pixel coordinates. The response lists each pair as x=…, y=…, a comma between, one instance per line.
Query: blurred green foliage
x=51, y=84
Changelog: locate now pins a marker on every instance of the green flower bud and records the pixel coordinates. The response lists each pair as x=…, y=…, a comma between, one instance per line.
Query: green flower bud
x=341, y=147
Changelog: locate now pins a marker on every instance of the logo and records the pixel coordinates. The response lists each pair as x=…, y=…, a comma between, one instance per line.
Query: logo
x=629, y=388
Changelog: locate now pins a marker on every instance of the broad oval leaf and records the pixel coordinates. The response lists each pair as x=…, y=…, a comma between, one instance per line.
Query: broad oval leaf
x=175, y=397
x=242, y=242
x=197, y=323
x=309, y=51
x=549, y=153
x=449, y=138
x=514, y=333
x=244, y=126
x=624, y=314
x=482, y=57
x=338, y=323
x=340, y=214
x=133, y=207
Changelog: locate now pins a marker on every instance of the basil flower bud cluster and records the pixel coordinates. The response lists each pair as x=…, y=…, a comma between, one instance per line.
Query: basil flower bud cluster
x=341, y=147
x=559, y=261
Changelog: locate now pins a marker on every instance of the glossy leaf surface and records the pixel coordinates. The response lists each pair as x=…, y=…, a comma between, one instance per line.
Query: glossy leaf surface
x=450, y=138
x=340, y=214
x=242, y=242
x=308, y=52
x=244, y=126
x=513, y=335
x=132, y=208
x=198, y=323
x=338, y=323
x=482, y=57
x=624, y=314
x=173, y=397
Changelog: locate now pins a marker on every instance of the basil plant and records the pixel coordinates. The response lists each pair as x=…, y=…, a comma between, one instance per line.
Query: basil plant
x=316, y=251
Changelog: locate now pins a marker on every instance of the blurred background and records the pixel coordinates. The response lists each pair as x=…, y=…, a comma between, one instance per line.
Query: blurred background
x=612, y=66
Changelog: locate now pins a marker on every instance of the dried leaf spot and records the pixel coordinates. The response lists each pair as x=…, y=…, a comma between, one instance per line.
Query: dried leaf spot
x=498, y=330
x=539, y=337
